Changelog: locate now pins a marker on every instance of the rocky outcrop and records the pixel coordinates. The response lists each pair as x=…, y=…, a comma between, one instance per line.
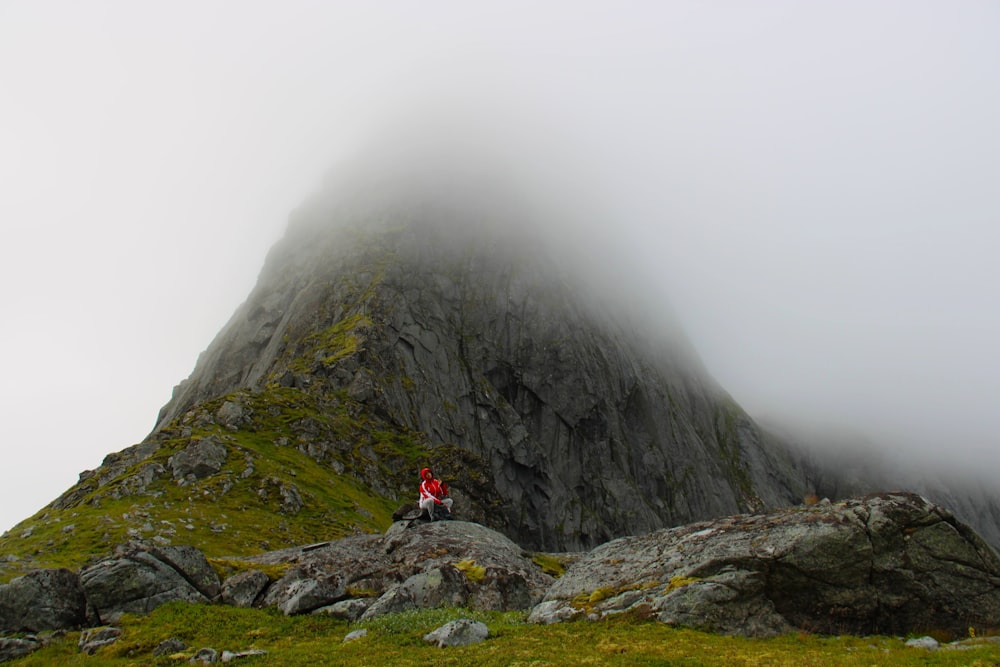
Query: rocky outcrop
x=414, y=565
x=139, y=579
x=42, y=600
x=888, y=563
x=198, y=460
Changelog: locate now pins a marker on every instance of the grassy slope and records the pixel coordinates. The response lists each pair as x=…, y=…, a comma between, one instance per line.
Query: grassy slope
x=227, y=513
x=397, y=640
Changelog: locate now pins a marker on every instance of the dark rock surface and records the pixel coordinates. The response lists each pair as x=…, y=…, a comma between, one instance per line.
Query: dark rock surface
x=42, y=600
x=169, y=647
x=12, y=648
x=887, y=563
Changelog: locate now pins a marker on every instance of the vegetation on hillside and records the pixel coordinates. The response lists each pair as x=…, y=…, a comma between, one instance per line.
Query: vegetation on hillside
x=397, y=639
x=297, y=470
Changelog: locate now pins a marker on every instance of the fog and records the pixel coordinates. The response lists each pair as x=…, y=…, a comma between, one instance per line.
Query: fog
x=809, y=187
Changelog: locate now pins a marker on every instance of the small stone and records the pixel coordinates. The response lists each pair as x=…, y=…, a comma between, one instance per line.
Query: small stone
x=229, y=656
x=12, y=648
x=462, y=632
x=349, y=610
x=205, y=656
x=357, y=634
x=928, y=643
x=95, y=638
x=169, y=647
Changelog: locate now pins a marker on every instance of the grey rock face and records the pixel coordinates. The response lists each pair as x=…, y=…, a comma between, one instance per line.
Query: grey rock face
x=244, y=589
x=887, y=563
x=460, y=632
x=42, y=600
x=137, y=581
x=199, y=459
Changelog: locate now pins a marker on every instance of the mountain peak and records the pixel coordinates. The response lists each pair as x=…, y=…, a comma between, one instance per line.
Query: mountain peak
x=395, y=328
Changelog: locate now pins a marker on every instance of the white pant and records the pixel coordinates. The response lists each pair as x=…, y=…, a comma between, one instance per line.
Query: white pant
x=427, y=504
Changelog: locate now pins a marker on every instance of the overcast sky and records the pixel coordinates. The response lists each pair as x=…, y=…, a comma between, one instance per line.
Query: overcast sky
x=815, y=184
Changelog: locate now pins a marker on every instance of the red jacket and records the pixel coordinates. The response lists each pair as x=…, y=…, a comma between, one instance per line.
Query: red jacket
x=431, y=488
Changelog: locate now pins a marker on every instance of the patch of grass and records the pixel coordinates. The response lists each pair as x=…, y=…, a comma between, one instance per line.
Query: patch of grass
x=328, y=346
x=355, y=592
x=227, y=567
x=293, y=444
x=678, y=581
x=474, y=573
x=397, y=639
x=549, y=564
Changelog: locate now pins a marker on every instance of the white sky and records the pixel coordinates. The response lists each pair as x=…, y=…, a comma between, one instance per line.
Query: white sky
x=815, y=184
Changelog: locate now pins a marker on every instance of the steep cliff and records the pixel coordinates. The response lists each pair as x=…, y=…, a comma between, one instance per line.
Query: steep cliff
x=553, y=419
x=392, y=329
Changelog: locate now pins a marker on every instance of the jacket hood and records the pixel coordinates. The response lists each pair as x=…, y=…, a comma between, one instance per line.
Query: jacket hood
x=424, y=472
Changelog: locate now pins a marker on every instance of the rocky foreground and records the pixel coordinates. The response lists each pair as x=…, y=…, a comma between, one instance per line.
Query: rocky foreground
x=888, y=563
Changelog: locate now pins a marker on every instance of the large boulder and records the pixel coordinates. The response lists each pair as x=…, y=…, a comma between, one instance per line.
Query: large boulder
x=139, y=579
x=198, y=460
x=414, y=565
x=496, y=572
x=42, y=600
x=885, y=563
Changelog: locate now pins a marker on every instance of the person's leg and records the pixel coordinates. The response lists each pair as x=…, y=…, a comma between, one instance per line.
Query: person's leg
x=427, y=507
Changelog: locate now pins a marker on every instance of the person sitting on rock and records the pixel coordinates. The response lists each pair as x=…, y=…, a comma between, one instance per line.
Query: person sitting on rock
x=433, y=494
